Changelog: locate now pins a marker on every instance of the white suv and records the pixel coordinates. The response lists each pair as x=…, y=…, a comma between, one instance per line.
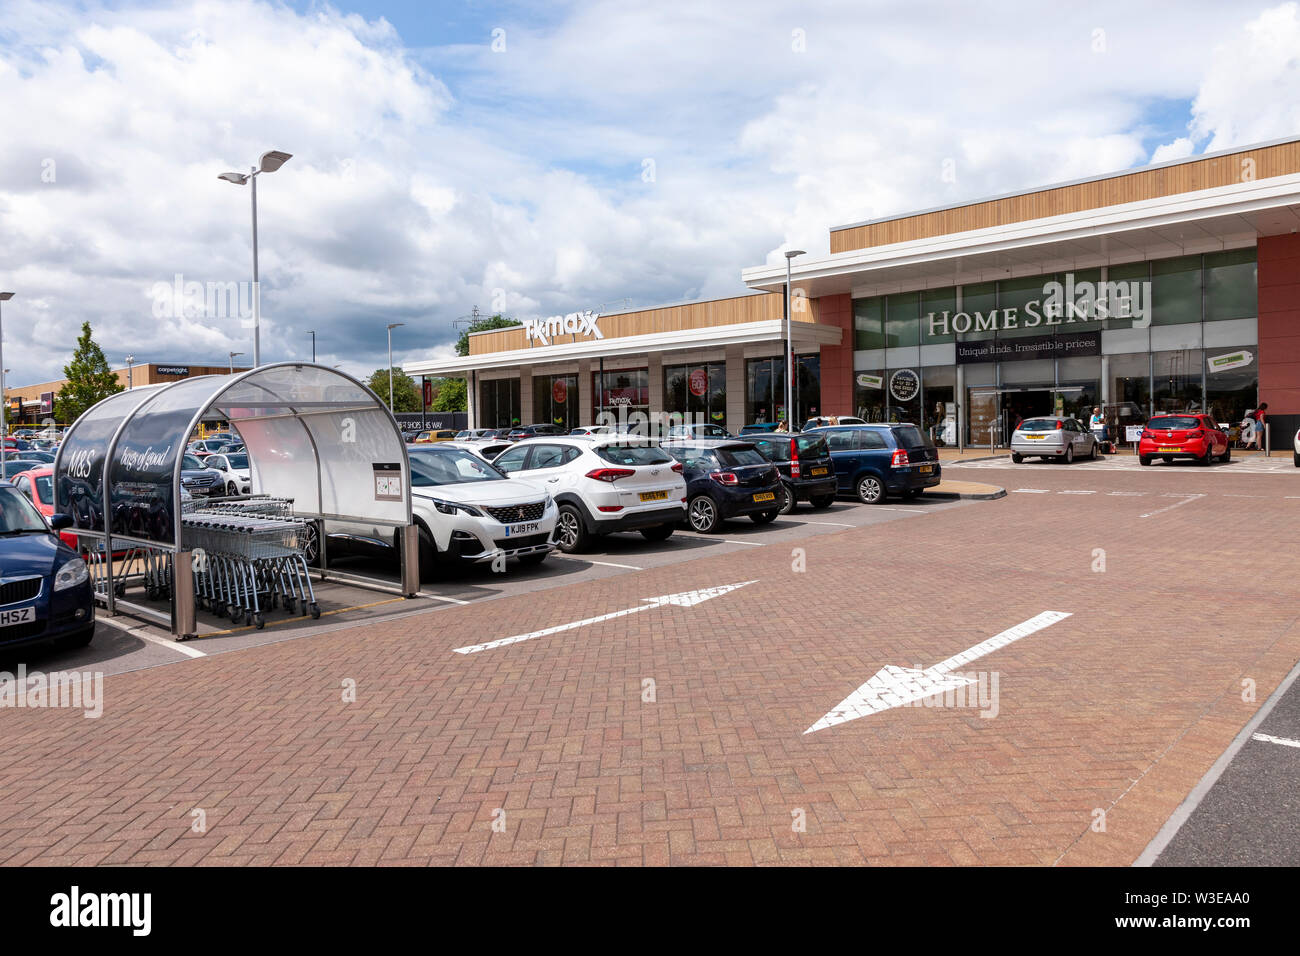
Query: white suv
x=602, y=484
x=235, y=473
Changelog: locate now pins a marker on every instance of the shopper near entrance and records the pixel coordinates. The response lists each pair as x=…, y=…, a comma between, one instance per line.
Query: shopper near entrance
x=1098, y=424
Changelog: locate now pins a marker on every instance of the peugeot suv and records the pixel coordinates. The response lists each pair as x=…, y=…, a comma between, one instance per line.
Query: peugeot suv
x=602, y=484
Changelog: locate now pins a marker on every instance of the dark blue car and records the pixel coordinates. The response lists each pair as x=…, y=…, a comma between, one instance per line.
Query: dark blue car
x=876, y=461
x=45, y=588
x=726, y=479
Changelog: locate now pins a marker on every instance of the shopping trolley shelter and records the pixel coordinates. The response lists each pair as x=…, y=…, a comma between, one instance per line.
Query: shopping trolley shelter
x=321, y=447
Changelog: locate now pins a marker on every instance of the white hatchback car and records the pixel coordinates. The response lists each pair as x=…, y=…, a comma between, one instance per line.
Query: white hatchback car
x=602, y=484
x=1297, y=449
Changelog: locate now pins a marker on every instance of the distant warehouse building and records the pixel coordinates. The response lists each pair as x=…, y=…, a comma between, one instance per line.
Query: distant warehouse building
x=1169, y=287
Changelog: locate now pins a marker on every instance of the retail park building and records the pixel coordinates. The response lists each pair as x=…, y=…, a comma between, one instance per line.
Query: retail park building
x=1170, y=287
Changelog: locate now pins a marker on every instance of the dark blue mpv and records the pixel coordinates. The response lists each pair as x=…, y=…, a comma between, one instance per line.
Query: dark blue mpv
x=876, y=461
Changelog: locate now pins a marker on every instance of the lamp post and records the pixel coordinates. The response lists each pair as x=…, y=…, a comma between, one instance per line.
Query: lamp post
x=233, y=356
x=269, y=163
x=130, y=361
x=789, y=344
x=4, y=410
x=312, y=333
x=391, y=326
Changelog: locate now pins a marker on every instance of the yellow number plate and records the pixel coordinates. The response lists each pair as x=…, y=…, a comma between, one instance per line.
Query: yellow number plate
x=1167, y=448
x=1034, y=437
x=819, y=471
x=653, y=495
x=765, y=496
x=926, y=469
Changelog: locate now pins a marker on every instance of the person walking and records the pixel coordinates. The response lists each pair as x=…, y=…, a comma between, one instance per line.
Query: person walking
x=1097, y=424
x=1260, y=414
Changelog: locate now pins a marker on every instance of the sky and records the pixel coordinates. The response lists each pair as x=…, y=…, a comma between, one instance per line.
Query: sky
x=539, y=159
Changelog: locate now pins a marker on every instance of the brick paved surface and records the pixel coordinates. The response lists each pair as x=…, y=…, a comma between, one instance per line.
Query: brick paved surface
x=1120, y=708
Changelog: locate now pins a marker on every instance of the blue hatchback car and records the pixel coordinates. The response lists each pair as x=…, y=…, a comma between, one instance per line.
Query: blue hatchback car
x=45, y=588
x=726, y=479
x=876, y=461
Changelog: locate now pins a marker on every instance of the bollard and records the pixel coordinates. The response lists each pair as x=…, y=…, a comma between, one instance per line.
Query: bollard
x=411, y=560
x=184, y=624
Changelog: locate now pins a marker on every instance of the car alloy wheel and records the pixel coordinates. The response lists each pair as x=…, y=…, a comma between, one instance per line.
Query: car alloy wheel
x=1069, y=454
x=1144, y=459
x=310, y=544
x=1017, y=457
x=568, y=529
x=231, y=490
x=787, y=499
x=703, y=514
x=870, y=490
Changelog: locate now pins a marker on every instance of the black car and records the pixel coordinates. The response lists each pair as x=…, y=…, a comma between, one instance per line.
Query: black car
x=804, y=461
x=726, y=479
x=876, y=461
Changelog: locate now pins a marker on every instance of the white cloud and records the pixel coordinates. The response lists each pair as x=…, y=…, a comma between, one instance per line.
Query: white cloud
x=425, y=181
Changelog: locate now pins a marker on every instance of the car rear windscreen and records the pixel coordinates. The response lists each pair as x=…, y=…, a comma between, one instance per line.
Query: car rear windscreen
x=1173, y=423
x=1038, y=425
x=733, y=457
x=909, y=436
x=811, y=446
x=634, y=454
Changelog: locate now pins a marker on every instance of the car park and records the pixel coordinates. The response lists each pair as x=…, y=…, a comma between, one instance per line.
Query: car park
x=589, y=430
x=804, y=461
x=602, y=484
x=10, y=442
x=205, y=447
x=873, y=462
x=45, y=587
x=236, y=474
x=487, y=450
x=692, y=432
x=198, y=479
x=1053, y=437
x=474, y=434
x=759, y=428
x=16, y=466
x=726, y=479
x=1183, y=435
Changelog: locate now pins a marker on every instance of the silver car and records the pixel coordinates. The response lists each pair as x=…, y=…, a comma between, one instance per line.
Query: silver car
x=1051, y=437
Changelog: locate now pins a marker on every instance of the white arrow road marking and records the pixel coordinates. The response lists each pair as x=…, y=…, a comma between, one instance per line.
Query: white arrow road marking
x=894, y=686
x=1188, y=499
x=681, y=599
x=1270, y=739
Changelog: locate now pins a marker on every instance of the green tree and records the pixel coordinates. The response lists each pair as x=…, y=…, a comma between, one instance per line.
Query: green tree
x=497, y=321
x=89, y=379
x=406, y=394
x=449, y=395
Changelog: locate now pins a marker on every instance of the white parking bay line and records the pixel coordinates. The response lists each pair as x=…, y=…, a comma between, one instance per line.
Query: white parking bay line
x=603, y=564
x=1031, y=491
x=1177, y=504
x=1076, y=492
x=164, y=642
x=1127, y=494
x=915, y=511
x=748, y=544
x=439, y=597
x=1270, y=739
x=837, y=524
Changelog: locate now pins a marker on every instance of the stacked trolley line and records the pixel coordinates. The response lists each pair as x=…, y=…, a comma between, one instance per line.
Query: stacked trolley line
x=248, y=558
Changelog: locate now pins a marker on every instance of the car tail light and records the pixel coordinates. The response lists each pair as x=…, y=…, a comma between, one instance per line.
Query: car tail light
x=609, y=507
x=1196, y=433
x=1060, y=424
x=677, y=467
x=899, y=460
x=725, y=478
x=794, y=460
x=610, y=474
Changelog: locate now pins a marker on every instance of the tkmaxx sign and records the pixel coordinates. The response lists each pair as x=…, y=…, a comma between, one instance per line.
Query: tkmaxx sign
x=575, y=323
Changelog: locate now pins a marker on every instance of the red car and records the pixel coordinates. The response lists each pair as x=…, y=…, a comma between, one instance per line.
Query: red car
x=38, y=485
x=1183, y=435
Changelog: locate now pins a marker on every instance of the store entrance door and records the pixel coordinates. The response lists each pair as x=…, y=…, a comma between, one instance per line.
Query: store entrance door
x=1018, y=404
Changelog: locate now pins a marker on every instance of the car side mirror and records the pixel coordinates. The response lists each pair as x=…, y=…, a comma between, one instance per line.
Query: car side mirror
x=60, y=521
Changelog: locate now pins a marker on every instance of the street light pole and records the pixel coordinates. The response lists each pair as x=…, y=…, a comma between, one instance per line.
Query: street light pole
x=392, y=325
x=232, y=361
x=789, y=344
x=4, y=408
x=130, y=359
x=312, y=333
x=271, y=161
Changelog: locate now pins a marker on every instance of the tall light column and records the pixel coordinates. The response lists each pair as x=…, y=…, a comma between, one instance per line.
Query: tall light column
x=4, y=410
x=233, y=356
x=393, y=325
x=789, y=344
x=130, y=362
x=269, y=163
